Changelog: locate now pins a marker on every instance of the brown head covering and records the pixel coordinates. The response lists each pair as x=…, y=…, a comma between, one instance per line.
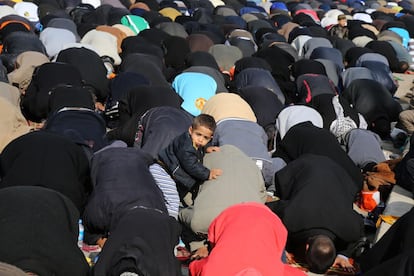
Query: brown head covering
x=120, y=35
x=199, y=42
x=127, y=31
x=139, y=5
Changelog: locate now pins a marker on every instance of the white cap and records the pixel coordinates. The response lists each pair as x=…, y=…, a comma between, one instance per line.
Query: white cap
x=363, y=17
x=27, y=10
x=94, y=3
x=327, y=21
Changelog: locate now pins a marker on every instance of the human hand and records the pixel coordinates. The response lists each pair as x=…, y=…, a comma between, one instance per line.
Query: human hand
x=214, y=173
x=343, y=262
x=202, y=252
x=212, y=149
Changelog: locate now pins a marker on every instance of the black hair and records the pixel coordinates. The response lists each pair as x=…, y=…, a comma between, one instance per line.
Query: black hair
x=321, y=254
x=204, y=120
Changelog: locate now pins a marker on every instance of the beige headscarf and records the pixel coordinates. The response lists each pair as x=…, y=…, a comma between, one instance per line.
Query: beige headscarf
x=228, y=105
x=286, y=29
x=10, y=93
x=12, y=123
x=26, y=63
x=10, y=270
x=120, y=35
x=104, y=43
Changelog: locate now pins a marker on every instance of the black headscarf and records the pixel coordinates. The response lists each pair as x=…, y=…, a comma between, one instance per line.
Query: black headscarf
x=47, y=160
x=353, y=54
x=104, y=15
x=342, y=45
x=265, y=104
x=304, y=183
x=91, y=68
x=175, y=51
x=397, y=240
x=153, y=35
x=145, y=66
x=143, y=242
x=307, y=66
x=45, y=77
x=39, y=232
x=70, y=96
x=279, y=60
x=199, y=58
x=161, y=125
x=122, y=181
x=139, y=99
x=355, y=30
x=259, y=77
x=251, y=62
x=375, y=103
x=138, y=44
x=384, y=48
x=305, y=138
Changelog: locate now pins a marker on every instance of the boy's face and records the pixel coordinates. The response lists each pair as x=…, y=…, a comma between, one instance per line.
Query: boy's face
x=200, y=136
x=342, y=22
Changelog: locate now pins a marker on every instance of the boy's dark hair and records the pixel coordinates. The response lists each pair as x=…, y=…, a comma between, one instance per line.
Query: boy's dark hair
x=321, y=254
x=205, y=121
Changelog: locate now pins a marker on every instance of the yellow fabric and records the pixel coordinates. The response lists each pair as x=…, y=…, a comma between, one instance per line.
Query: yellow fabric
x=387, y=219
x=170, y=13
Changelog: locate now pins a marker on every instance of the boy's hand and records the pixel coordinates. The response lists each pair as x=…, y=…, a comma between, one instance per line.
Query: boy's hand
x=202, y=252
x=212, y=149
x=214, y=173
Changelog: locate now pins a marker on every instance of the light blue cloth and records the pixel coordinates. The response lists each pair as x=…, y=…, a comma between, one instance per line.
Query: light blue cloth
x=403, y=33
x=195, y=89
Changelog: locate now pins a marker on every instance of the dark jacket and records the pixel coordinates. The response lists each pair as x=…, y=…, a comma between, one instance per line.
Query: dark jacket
x=398, y=241
x=44, y=159
x=38, y=232
x=143, y=242
x=184, y=162
x=373, y=101
x=122, y=181
x=316, y=197
x=306, y=138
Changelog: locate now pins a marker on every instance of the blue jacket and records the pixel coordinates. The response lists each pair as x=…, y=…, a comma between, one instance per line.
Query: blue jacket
x=184, y=162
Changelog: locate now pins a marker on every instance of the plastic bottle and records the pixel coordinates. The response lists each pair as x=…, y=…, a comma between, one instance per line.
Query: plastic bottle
x=81, y=233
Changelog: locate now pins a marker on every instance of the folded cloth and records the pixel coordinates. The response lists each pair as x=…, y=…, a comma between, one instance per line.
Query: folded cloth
x=387, y=219
x=382, y=175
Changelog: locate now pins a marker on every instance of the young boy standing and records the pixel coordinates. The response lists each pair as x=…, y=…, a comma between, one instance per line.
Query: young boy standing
x=183, y=157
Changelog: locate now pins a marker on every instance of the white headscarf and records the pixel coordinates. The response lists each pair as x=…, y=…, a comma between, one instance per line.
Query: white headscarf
x=296, y=114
